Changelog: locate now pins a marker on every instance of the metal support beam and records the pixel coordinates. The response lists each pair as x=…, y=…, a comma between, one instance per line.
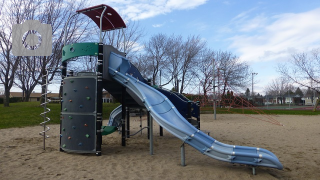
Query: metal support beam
x=183, y=155
x=150, y=120
x=99, y=101
x=161, y=131
x=123, y=113
x=148, y=117
x=128, y=122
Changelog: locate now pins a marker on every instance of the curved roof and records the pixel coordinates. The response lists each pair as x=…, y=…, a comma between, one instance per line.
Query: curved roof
x=111, y=19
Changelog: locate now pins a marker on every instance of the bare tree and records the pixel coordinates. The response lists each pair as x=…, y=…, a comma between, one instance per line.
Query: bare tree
x=232, y=71
x=142, y=63
x=156, y=50
x=174, y=59
x=279, y=87
x=11, y=13
x=125, y=40
x=53, y=12
x=205, y=69
x=191, y=49
x=303, y=69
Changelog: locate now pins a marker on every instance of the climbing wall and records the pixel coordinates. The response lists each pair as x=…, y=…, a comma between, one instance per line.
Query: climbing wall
x=78, y=114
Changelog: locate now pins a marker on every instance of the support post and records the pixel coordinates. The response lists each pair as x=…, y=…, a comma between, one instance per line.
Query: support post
x=148, y=117
x=183, y=156
x=189, y=109
x=161, y=131
x=128, y=122
x=151, y=133
x=99, y=100
x=214, y=90
x=63, y=75
x=123, y=113
x=198, y=118
x=141, y=120
x=253, y=170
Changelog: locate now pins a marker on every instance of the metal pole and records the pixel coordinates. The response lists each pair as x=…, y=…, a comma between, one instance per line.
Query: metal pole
x=141, y=120
x=183, y=156
x=128, y=122
x=151, y=134
x=123, y=120
x=214, y=91
x=252, y=84
x=289, y=97
x=101, y=17
x=160, y=80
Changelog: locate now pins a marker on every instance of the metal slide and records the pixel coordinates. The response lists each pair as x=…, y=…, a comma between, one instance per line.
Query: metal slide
x=167, y=116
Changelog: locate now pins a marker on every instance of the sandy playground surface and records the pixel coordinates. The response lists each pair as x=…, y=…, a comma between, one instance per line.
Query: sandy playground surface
x=297, y=145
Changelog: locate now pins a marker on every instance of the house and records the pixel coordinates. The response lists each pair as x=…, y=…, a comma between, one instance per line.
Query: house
x=107, y=97
x=310, y=98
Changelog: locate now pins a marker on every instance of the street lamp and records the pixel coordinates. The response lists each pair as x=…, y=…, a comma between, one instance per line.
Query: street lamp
x=252, y=83
x=214, y=90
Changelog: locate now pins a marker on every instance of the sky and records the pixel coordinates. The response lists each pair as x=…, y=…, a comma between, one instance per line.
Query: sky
x=262, y=33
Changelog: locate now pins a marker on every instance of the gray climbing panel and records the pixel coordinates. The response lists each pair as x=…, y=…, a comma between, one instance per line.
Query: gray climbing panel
x=78, y=115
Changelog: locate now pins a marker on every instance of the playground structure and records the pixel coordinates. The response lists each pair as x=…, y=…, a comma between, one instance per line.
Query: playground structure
x=81, y=127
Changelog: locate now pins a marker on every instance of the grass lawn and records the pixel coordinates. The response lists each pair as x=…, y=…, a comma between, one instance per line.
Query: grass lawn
x=28, y=114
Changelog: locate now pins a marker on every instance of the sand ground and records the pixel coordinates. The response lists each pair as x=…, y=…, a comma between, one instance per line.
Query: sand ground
x=297, y=145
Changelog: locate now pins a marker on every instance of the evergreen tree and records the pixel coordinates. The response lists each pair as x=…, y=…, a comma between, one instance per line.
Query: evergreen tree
x=247, y=93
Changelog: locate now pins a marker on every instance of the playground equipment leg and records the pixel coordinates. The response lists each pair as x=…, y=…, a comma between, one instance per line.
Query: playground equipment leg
x=150, y=120
x=128, y=122
x=123, y=120
x=148, y=117
x=183, y=156
x=161, y=131
x=141, y=120
x=254, y=170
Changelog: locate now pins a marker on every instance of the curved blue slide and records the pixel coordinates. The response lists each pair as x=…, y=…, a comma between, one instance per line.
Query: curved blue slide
x=167, y=116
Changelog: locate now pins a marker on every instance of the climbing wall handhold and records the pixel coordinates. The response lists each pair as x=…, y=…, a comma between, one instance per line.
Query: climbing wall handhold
x=70, y=117
x=65, y=94
x=86, y=87
x=74, y=90
x=64, y=146
x=63, y=129
x=80, y=144
x=69, y=137
x=71, y=81
x=88, y=98
x=73, y=127
x=81, y=106
x=87, y=135
x=65, y=109
x=70, y=100
x=60, y=135
x=86, y=125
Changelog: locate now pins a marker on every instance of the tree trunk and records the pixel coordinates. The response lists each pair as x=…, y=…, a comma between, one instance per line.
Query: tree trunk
x=6, y=96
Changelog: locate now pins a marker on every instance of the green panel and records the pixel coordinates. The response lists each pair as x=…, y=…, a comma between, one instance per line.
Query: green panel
x=79, y=49
x=108, y=130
